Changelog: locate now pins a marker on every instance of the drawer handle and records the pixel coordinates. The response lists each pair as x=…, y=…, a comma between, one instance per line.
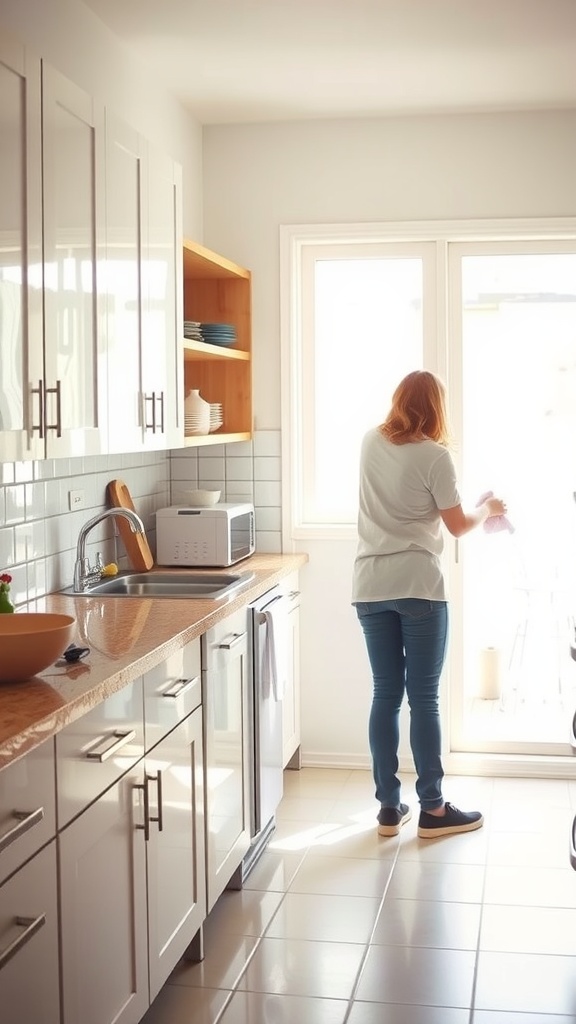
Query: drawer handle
x=573, y=844
x=180, y=687
x=120, y=740
x=25, y=821
x=31, y=925
x=231, y=642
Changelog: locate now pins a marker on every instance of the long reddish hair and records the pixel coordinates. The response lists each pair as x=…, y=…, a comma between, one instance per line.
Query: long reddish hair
x=418, y=410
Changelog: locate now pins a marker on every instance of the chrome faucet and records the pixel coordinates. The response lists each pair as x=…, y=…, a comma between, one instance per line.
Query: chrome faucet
x=84, y=573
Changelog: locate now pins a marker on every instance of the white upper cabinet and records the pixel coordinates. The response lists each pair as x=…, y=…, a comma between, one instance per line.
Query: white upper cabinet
x=21, y=335
x=74, y=342
x=121, y=282
x=162, y=321
x=90, y=274
x=140, y=284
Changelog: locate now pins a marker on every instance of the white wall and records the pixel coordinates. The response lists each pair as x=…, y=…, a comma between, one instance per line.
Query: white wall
x=71, y=38
x=260, y=176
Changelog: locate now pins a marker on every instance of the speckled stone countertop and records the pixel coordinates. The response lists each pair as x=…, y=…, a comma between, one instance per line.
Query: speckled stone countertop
x=127, y=636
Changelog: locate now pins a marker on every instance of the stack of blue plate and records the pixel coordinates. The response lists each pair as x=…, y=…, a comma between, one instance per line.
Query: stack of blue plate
x=219, y=334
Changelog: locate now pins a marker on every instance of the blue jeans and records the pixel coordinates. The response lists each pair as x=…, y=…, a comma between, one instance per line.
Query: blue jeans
x=406, y=642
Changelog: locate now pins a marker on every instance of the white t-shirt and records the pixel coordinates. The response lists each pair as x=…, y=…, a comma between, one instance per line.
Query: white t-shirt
x=400, y=539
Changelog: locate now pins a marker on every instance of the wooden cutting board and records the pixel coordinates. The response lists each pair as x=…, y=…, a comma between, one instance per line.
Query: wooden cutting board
x=137, y=547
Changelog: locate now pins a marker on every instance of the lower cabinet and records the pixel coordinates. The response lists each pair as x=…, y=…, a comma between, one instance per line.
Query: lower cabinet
x=132, y=883
x=29, y=985
x=227, y=745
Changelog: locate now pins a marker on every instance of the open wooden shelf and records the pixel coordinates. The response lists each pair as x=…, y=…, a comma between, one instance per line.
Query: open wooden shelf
x=219, y=291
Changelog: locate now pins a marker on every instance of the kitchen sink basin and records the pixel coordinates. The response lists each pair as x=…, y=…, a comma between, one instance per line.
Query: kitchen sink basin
x=209, y=586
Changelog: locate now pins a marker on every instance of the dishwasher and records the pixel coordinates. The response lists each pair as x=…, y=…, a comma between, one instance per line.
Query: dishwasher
x=268, y=660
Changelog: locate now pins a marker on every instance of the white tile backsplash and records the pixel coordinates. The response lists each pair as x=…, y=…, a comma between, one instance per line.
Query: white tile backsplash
x=38, y=532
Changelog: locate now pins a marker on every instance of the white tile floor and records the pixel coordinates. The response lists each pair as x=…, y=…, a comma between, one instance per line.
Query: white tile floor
x=336, y=925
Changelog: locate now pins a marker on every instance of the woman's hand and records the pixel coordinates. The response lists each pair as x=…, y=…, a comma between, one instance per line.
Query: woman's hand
x=495, y=507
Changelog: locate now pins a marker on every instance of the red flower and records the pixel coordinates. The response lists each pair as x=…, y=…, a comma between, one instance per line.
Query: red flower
x=5, y=578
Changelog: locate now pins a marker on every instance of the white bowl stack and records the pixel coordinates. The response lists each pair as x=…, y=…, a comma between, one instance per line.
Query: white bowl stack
x=216, y=416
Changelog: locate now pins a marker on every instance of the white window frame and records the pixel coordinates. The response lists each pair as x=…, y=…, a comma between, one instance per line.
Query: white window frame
x=295, y=242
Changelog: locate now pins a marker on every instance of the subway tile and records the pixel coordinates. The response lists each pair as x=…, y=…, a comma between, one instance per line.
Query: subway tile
x=211, y=469
x=269, y=519
x=240, y=449
x=15, y=498
x=268, y=543
x=267, y=442
x=239, y=469
x=267, y=469
x=240, y=491
x=35, y=500
x=267, y=492
x=7, y=548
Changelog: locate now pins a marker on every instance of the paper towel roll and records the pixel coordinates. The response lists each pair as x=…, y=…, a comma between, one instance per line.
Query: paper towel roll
x=490, y=673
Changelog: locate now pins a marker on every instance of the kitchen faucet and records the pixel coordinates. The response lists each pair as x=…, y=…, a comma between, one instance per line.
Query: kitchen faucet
x=84, y=574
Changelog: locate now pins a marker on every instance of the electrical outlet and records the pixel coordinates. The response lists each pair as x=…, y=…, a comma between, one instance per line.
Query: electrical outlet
x=75, y=500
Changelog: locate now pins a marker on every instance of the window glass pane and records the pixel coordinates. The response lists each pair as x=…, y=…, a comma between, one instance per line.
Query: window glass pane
x=367, y=334
x=519, y=429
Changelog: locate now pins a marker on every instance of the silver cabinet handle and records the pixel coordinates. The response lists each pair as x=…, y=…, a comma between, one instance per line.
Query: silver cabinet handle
x=26, y=820
x=120, y=740
x=158, y=780
x=231, y=641
x=147, y=816
x=573, y=734
x=180, y=686
x=161, y=402
x=573, y=844
x=40, y=425
x=58, y=392
x=31, y=925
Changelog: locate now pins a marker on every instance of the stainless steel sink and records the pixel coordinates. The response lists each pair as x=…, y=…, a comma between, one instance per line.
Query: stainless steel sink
x=210, y=586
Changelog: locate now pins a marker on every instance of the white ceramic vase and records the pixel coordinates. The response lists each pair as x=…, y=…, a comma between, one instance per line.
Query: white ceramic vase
x=196, y=414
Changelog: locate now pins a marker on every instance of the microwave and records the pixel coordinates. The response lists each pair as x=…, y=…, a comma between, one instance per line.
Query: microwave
x=215, y=536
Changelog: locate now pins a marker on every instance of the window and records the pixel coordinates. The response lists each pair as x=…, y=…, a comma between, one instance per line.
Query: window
x=361, y=329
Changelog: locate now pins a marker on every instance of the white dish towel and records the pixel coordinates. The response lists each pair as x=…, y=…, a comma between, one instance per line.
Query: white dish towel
x=275, y=655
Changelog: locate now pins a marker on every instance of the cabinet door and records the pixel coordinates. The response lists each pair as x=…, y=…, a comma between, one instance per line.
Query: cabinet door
x=103, y=910
x=227, y=741
x=75, y=355
x=29, y=980
x=162, y=328
x=122, y=285
x=21, y=363
x=175, y=849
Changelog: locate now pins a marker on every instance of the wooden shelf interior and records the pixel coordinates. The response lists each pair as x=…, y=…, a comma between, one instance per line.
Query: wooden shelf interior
x=219, y=291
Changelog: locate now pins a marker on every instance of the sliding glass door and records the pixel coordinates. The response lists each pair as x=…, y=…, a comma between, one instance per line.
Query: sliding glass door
x=512, y=353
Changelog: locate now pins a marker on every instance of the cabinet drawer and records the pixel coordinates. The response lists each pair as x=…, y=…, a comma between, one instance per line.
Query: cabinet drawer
x=29, y=986
x=95, y=751
x=171, y=692
x=27, y=807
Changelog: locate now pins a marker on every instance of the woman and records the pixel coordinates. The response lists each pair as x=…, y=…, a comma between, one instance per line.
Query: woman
x=408, y=489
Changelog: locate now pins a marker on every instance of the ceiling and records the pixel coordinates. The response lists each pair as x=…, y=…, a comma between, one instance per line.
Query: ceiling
x=235, y=61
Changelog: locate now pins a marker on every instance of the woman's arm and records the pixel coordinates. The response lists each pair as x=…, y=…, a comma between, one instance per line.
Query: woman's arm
x=458, y=522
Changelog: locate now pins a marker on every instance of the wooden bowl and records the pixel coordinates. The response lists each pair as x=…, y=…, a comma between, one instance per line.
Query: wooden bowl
x=31, y=641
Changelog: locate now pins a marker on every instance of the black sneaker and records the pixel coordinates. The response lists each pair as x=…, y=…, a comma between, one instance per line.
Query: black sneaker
x=452, y=821
x=391, y=819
